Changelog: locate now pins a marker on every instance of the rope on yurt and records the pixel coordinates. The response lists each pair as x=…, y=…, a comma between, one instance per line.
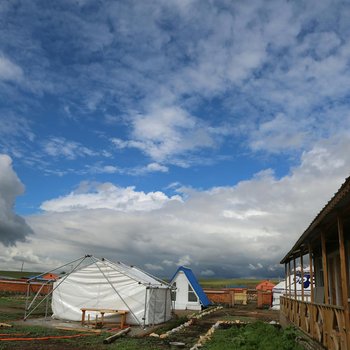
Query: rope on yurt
x=144, y=314
x=63, y=279
x=111, y=284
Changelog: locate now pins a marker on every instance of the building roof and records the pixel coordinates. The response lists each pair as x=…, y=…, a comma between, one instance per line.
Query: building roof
x=334, y=205
x=194, y=283
x=265, y=285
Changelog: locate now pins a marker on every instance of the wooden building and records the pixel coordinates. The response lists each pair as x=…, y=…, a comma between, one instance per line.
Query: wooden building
x=325, y=245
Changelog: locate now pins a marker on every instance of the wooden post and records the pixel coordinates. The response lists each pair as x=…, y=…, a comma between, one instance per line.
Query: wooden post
x=285, y=280
x=289, y=281
x=312, y=297
x=302, y=275
x=83, y=316
x=325, y=268
x=311, y=274
x=344, y=277
x=295, y=279
x=295, y=309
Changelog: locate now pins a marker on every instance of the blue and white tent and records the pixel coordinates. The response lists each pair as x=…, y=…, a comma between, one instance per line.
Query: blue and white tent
x=188, y=294
x=295, y=288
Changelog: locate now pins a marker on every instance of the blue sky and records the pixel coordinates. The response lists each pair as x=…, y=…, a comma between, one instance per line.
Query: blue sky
x=208, y=133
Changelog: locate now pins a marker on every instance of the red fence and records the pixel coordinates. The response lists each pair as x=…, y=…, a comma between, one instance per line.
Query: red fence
x=20, y=287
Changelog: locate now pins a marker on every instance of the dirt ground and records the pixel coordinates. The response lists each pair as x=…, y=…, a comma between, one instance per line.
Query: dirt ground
x=138, y=336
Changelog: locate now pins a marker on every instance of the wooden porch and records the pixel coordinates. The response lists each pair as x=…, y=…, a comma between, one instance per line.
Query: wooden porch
x=323, y=323
x=325, y=248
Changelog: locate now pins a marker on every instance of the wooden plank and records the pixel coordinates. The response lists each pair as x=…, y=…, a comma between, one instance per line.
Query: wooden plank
x=325, y=268
x=311, y=273
x=344, y=277
x=302, y=275
x=80, y=329
x=289, y=281
x=311, y=310
x=5, y=325
x=285, y=281
x=111, y=311
x=295, y=289
x=113, y=337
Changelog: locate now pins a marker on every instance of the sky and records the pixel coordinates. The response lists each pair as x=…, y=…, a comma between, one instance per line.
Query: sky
x=163, y=133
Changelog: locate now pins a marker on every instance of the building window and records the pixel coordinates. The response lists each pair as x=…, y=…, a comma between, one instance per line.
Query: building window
x=191, y=294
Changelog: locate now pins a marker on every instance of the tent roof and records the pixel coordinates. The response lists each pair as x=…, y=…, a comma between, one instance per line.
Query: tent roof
x=194, y=283
x=104, y=266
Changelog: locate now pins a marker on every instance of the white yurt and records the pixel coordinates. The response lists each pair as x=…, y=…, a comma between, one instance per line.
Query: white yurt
x=280, y=289
x=103, y=284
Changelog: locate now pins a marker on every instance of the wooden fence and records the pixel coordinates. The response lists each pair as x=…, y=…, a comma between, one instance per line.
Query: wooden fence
x=227, y=296
x=324, y=323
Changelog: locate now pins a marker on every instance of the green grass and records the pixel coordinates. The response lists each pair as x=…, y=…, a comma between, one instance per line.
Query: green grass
x=224, y=283
x=89, y=341
x=18, y=274
x=257, y=335
x=12, y=308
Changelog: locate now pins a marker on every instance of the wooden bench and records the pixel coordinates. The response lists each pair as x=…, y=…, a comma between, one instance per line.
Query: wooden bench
x=122, y=314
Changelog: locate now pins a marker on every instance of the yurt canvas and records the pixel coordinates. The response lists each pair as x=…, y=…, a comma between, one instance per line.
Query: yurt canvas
x=280, y=289
x=103, y=284
x=187, y=294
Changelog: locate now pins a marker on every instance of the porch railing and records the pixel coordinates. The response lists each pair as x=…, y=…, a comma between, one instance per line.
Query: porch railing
x=324, y=323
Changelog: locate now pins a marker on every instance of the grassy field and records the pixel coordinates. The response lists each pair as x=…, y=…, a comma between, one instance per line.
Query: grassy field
x=257, y=335
x=205, y=283
x=84, y=341
x=253, y=336
x=18, y=274
x=231, y=282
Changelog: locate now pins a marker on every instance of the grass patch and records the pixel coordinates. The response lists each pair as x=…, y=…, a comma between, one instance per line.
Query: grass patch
x=12, y=308
x=18, y=274
x=257, y=335
x=90, y=341
x=243, y=319
x=231, y=282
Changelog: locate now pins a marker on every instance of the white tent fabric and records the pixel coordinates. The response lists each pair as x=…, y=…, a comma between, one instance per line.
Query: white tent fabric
x=108, y=285
x=280, y=289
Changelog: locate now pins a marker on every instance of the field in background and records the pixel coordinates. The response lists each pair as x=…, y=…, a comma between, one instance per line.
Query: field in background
x=233, y=282
x=205, y=283
x=18, y=274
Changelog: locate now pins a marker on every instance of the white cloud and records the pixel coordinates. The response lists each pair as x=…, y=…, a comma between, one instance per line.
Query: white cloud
x=13, y=228
x=243, y=215
x=136, y=227
x=153, y=267
x=104, y=169
x=9, y=71
x=108, y=196
x=184, y=261
x=168, y=133
x=60, y=147
x=279, y=134
x=168, y=262
x=207, y=273
x=153, y=167
x=258, y=266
